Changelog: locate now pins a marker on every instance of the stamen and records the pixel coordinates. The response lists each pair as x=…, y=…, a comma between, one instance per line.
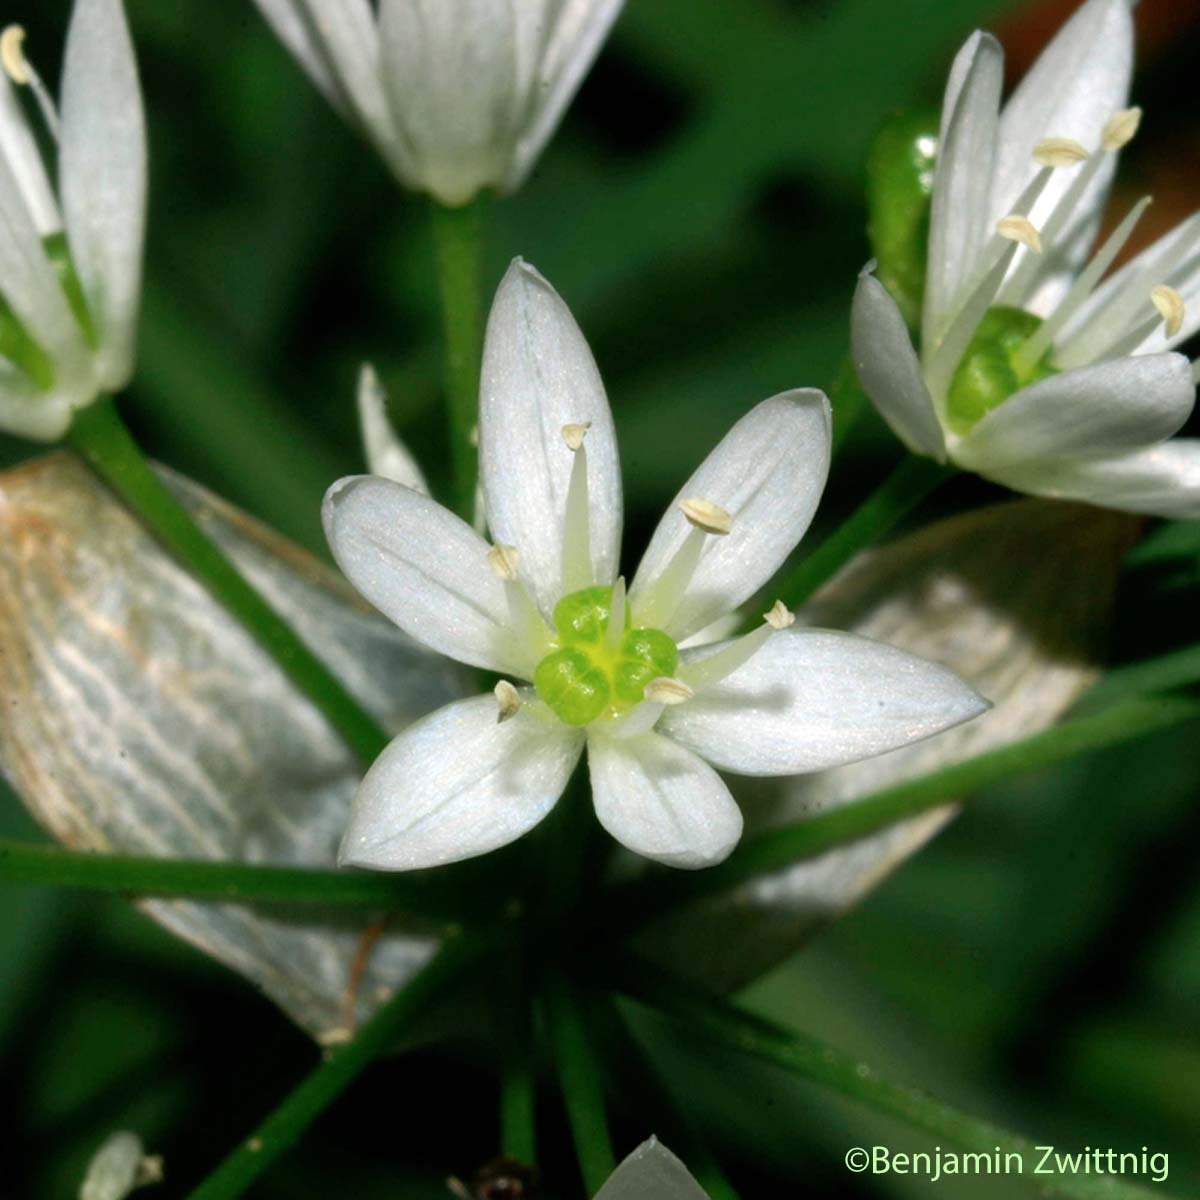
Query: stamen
x=1059, y=152
x=1020, y=229
x=780, y=616
x=577, y=530
x=943, y=361
x=23, y=73
x=662, y=598
x=573, y=435
x=666, y=690
x=1120, y=129
x=504, y=561
x=1170, y=306
x=706, y=515
x=711, y=670
x=616, y=617
x=508, y=701
x=1080, y=290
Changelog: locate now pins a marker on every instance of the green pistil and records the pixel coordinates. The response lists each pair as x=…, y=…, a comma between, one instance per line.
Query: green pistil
x=990, y=372
x=583, y=677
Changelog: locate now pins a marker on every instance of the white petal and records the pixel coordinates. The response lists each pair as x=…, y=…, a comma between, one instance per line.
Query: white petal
x=28, y=413
x=539, y=375
x=579, y=31
x=386, y=454
x=291, y=23
x=1122, y=302
x=1107, y=408
x=768, y=473
x=21, y=152
x=661, y=801
x=651, y=1172
x=1162, y=481
x=889, y=370
x=958, y=219
x=344, y=32
x=1077, y=83
x=450, y=73
x=102, y=169
x=811, y=699
x=424, y=568
x=457, y=784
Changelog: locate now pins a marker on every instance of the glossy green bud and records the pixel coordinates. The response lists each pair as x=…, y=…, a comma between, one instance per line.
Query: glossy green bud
x=900, y=167
x=575, y=688
x=990, y=370
x=583, y=616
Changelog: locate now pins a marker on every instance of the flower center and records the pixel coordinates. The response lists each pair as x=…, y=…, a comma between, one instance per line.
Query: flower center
x=992, y=368
x=594, y=671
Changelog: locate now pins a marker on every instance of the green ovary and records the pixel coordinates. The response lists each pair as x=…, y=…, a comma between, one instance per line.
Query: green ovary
x=990, y=371
x=582, y=678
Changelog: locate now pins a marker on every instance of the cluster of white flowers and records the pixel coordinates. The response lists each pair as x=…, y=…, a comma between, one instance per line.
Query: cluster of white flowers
x=1034, y=369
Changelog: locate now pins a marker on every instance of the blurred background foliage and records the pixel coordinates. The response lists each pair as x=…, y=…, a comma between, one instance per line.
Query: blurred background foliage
x=702, y=213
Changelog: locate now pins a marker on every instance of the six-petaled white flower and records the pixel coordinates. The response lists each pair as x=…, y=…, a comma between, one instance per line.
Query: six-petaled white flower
x=545, y=605
x=71, y=260
x=1032, y=371
x=456, y=95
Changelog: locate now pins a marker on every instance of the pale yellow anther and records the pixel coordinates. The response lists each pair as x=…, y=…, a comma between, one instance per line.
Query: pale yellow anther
x=504, y=561
x=1020, y=229
x=1059, y=152
x=706, y=515
x=508, y=701
x=573, y=435
x=665, y=690
x=780, y=616
x=1170, y=307
x=12, y=55
x=1120, y=128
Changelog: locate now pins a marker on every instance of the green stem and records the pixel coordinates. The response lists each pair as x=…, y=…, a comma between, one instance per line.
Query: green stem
x=101, y=437
x=518, y=1078
x=579, y=1078
x=906, y=487
x=804, y=1056
x=226, y=881
x=458, y=250
x=341, y=1067
x=776, y=849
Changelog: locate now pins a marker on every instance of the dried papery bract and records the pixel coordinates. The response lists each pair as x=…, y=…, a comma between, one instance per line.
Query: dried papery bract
x=139, y=717
x=982, y=593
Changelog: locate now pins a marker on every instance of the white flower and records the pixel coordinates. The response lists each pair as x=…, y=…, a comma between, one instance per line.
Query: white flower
x=1032, y=372
x=71, y=262
x=385, y=453
x=456, y=95
x=651, y=1172
x=544, y=604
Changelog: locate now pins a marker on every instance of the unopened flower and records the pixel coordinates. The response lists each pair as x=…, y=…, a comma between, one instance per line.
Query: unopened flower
x=545, y=605
x=456, y=95
x=119, y=1167
x=651, y=1172
x=1032, y=371
x=71, y=260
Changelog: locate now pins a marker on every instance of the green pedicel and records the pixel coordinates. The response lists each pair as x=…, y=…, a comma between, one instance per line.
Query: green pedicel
x=583, y=679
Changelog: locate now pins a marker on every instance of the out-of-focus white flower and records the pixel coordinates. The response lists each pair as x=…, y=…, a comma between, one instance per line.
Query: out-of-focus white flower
x=544, y=604
x=71, y=261
x=1033, y=372
x=651, y=1172
x=456, y=95
x=119, y=1167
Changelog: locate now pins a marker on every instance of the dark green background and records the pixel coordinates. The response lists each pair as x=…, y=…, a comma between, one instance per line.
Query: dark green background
x=702, y=213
